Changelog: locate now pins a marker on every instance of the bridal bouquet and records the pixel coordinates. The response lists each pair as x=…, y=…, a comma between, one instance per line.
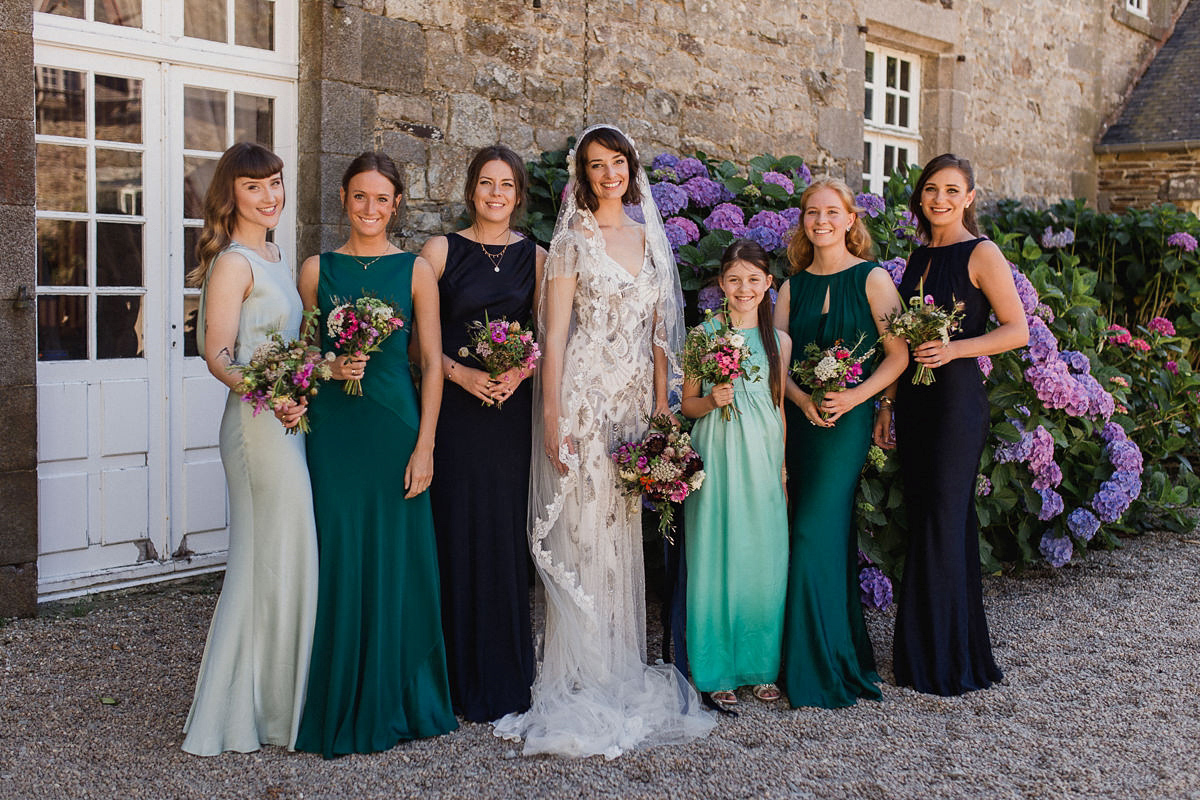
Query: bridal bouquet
x=923, y=321
x=281, y=371
x=500, y=345
x=831, y=369
x=663, y=467
x=359, y=327
x=718, y=357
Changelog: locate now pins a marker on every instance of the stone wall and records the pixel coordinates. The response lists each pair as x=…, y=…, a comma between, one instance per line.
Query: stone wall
x=429, y=82
x=18, y=326
x=1139, y=179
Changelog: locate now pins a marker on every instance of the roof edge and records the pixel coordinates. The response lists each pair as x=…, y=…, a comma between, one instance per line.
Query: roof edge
x=1144, y=147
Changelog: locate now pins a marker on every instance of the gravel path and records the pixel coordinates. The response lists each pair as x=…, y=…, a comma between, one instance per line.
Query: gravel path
x=1100, y=700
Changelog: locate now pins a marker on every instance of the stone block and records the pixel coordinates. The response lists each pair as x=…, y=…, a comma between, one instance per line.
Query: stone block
x=498, y=81
x=472, y=123
x=16, y=17
x=18, y=330
x=16, y=89
x=660, y=105
x=18, y=590
x=18, y=523
x=513, y=46
x=18, y=420
x=447, y=68
x=342, y=118
x=840, y=132
x=393, y=54
x=343, y=44
x=18, y=243
x=1183, y=188
x=405, y=108
x=541, y=89
x=17, y=185
x=404, y=148
x=447, y=171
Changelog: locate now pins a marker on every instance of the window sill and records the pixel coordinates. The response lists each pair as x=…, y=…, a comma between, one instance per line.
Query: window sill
x=1139, y=23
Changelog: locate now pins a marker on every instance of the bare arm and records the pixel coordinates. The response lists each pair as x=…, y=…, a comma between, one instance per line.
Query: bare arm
x=419, y=472
x=229, y=283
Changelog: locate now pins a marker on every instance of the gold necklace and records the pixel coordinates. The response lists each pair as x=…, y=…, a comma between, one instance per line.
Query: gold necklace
x=494, y=259
x=359, y=258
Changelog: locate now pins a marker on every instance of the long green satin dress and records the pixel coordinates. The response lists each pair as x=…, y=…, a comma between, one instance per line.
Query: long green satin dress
x=827, y=658
x=378, y=671
x=737, y=538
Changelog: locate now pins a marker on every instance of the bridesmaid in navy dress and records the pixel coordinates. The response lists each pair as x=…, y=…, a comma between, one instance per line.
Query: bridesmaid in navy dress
x=481, y=463
x=941, y=644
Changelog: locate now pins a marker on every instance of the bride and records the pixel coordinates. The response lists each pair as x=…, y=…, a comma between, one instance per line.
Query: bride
x=610, y=320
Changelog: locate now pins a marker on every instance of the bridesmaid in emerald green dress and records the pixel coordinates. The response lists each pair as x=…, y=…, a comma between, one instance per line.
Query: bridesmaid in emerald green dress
x=737, y=522
x=378, y=670
x=834, y=293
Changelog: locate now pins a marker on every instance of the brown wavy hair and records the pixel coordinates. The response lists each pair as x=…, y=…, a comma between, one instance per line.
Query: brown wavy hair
x=858, y=238
x=751, y=252
x=486, y=155
x=613, y=140
x=936, y=164
x=243, y=160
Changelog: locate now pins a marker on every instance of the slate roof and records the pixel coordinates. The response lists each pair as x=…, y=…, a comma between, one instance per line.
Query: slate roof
x=1164, y=107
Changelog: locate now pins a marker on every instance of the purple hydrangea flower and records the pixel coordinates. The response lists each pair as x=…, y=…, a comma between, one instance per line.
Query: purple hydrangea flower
x=1172, y=367
x=1052, y=240
x=664, y=160
x=1057, y=550
x=804, y=175
x=709, y=298
x=769, y=239
x=705, y=192
x=1182, y=240
x=671, y=199
x=791, y=216
x=690, y=230
x=779, y=179
x=906, y=226
x=1052, y=504
x=1113, y=432
x=1161, y=325
x=875, y=588
x=985, y=365
x=770, y=219
x=1015, y=451
x=1124, y=455
x=1083, y=524
x=1025, y=290
x=1077, y=362
x=676, y=236
x=871, y=204
x=689, y=167
x=895, y=268
x=1042, y=344
x=726, y=217
x=983, y=486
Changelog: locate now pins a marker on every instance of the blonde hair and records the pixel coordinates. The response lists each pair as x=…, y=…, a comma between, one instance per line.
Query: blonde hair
x=858, y=238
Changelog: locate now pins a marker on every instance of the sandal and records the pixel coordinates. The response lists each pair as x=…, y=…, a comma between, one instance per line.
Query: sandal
x=723, y=698
x=766, y=692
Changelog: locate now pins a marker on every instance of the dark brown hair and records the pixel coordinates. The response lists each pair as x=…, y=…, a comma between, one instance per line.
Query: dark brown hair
x=375, y=161
x=935, y=165
x=858, y=238
x=613, y=140
x=243, y=160
x=486, y=155
x=753, y=253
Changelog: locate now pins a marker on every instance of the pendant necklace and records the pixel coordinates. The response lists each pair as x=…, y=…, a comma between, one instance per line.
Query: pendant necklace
x=497, y=258
x=366, y=264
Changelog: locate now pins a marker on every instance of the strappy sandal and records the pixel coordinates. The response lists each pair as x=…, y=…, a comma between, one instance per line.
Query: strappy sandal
x=766, y=692
x=723, y=698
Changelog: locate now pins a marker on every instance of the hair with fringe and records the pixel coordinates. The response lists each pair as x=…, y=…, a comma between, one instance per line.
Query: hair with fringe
x=858, y=239
x=751, y=252
x=613, y=140
x=935, y=165
x=243, y=160
x=485, y=156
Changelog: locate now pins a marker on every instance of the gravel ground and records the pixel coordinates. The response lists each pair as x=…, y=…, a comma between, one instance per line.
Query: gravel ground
x=1100, y=700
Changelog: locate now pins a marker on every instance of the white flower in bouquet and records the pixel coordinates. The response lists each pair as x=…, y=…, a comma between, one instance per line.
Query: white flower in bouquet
x=827, y=369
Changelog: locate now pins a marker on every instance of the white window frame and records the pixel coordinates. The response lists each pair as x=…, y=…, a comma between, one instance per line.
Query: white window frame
x=1138, y=7
x=880, y=136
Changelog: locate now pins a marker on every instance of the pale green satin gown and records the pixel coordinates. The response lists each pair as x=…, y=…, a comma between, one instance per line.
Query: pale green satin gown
x=737, y=538
x=250, y=689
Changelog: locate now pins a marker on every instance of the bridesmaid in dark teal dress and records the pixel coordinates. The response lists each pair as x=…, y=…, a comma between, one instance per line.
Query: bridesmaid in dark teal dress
x=378, y=669
x=942, y=645
x=834, y=293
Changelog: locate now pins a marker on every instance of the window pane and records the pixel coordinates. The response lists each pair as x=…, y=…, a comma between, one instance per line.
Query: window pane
x=118, y=182
x=205, y=19
x=120, y=12
x=254, y=23
x=61, y=178
x=866, y=156
x=65, y=8
x=61, y=252
x=870, y=67
x=118, y=254
x=902, y=158
x=61, y=102
x=889, y=109
x=253, y=119
x=903, y=112
x=118, y=109
x=204, y=124
x=904, y=68
x=119, y=326
x=191, y=315
x=190, y=236
x=62, y=327
x=868, y=99
x=891, y=72
x=889, y=159
x=197, y=174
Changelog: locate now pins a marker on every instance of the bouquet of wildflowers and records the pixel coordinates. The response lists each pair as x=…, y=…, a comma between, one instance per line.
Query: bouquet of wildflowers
x=500, y=345
x=359, y=327
x=831, y=369
x=663, y=467
x=923, y=321
x=281, y=371
x=718, y=357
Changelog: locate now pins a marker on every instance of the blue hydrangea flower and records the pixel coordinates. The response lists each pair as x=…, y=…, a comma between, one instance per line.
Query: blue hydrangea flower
x=770, y=219
x=769, y=239
x=875, y=588
x=1083, y=524
x=664, y=161
x=726, y=217
x=895, y=268
x=1077, y=361
x=671, y=199
x=871, y=204
x=779, y=179
x=689, y=167
x=1025, y=290
x=690, y=231
x=791, y=216
x=1052, y=240
x=709, y=298
x=1057, y=550
x=705, y=192
x=804, y=175
x=1052, y=504
x=983, y=486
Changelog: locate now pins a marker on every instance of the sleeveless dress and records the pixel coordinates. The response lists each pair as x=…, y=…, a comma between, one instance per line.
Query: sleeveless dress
x=941, y=643
x=738, y=537
x=594, y=693
x=378, y=673
x=250, y=689
x=828, y=660
x=480, y=493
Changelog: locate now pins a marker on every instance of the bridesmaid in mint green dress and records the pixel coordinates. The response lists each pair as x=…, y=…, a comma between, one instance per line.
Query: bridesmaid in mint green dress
x=833, y=294
x=378, y=672
x=736, y=522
